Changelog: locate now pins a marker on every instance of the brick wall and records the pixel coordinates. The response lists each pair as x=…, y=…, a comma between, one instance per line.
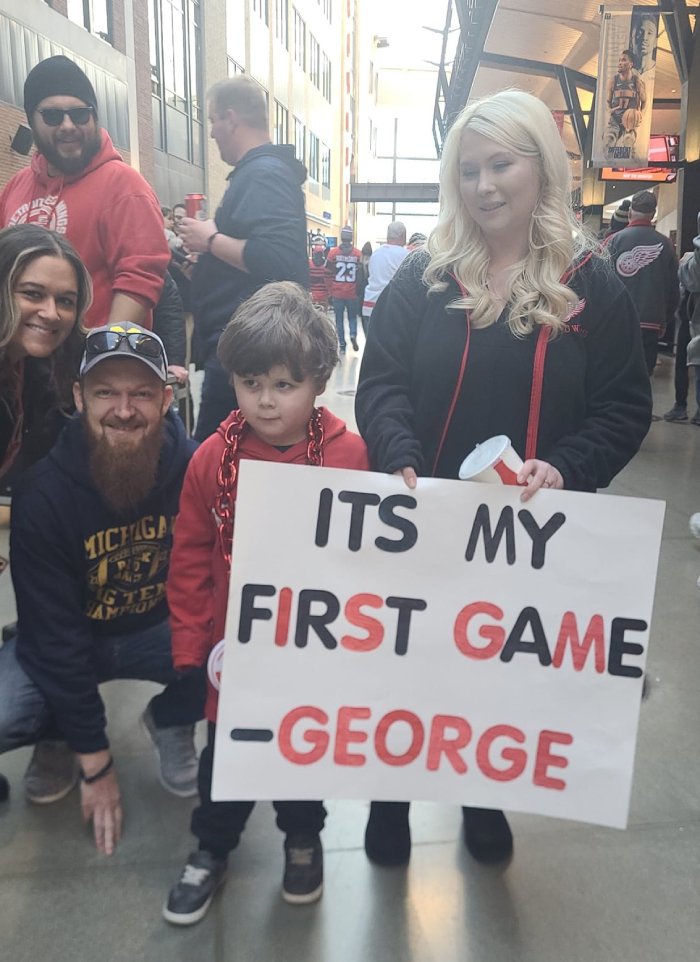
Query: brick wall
x=143, y=89
x=10, y=162
x=118, y=30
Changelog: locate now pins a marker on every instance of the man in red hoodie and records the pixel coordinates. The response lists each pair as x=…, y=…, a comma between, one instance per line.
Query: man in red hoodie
x=79, y=185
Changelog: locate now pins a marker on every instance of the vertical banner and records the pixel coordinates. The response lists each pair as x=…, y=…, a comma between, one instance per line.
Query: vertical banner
x=625, y=94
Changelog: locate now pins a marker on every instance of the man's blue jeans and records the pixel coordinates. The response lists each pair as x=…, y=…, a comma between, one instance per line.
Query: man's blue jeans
x=217, y=400
x=25, y=716
x=340, y=307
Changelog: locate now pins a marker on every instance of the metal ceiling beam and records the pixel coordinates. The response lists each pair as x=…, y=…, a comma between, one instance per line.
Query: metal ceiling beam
x=475, y=18
x=569, y=86
x=680, y=34
x=569, y=80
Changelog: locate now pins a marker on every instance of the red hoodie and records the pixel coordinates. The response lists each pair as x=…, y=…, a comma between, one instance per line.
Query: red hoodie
x=109, y=214
x=198, y=577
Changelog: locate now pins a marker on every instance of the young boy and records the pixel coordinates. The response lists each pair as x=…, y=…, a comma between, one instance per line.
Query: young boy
x=279, y=351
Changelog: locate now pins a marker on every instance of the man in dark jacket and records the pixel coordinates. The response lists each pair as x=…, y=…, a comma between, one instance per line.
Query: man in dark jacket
x=90, y=545
x=258, y=233
x=647, y=265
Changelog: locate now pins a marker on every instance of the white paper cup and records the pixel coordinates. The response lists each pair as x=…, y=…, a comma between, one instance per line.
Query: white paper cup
x=494, y=462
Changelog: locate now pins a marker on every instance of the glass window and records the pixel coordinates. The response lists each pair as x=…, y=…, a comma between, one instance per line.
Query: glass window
x=93, y=15
x=314, y=67
x=176, y=85
x=281, y=132
x=262, y=8
x=325, y=165
x=313, y=157
x=299, y=40
x=153, y=49
x=282, y=22
x=326, y=77
x=299, y=140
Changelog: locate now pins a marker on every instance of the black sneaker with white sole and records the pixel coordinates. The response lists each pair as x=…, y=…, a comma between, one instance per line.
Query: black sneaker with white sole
x=189, y=900
x=303, y=869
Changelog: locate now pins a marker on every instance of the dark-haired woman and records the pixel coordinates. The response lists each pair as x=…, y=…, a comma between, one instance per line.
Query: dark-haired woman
x=44, y=293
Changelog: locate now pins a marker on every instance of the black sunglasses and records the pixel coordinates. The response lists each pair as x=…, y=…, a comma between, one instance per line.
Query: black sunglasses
x=53, y=116
x=102, y=342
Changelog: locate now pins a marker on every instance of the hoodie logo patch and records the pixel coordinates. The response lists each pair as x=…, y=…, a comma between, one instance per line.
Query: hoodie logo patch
x=631, y=262
x=576, y=309
x=49, y=212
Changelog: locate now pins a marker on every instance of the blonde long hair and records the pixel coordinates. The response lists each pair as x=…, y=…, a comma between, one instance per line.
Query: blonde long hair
x=523, y=124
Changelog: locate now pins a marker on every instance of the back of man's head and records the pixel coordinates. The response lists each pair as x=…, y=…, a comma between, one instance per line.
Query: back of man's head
x=643, y=206
x=243, y=95
x=396, y=233
x=54, y=77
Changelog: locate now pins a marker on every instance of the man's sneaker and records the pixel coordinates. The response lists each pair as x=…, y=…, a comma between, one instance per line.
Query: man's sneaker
x=696, y=418
x=355, y=345
x=677, y=413
x=190, y=898
x=176, y=754
x=303, y=869
x=52, y=772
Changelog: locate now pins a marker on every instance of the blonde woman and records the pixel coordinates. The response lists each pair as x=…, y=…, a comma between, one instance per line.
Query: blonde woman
x=508, y=322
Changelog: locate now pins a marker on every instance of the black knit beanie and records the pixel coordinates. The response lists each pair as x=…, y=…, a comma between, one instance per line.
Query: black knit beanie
x=621, y=217
x=56, y=77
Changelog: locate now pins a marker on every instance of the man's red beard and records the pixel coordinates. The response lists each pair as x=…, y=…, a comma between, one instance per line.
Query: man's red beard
x=124, y=474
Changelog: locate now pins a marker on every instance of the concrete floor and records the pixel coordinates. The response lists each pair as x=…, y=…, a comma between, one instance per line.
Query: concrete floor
x=572, y=893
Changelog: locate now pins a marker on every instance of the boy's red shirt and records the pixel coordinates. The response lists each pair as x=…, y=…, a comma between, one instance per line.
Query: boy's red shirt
x=197, y=584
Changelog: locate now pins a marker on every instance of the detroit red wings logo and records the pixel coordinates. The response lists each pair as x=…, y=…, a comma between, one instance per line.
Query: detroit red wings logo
x=631, y=262
x=578, y=308
x=50, y=212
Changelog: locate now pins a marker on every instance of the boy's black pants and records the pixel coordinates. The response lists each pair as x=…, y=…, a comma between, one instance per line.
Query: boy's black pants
x=218, y=825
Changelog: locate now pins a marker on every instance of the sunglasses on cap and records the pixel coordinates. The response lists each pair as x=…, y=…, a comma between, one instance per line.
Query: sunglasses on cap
x=140, y=342
x=53, y=116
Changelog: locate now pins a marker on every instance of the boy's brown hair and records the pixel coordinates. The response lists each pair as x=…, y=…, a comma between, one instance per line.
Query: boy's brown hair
x=280, y=324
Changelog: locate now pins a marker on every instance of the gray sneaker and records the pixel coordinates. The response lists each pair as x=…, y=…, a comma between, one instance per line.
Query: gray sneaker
x=51, y=774
x=677, y=413
x=696, y=418
x=176, y=754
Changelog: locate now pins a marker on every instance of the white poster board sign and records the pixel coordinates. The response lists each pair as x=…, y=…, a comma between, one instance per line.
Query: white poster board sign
x=448, y=644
